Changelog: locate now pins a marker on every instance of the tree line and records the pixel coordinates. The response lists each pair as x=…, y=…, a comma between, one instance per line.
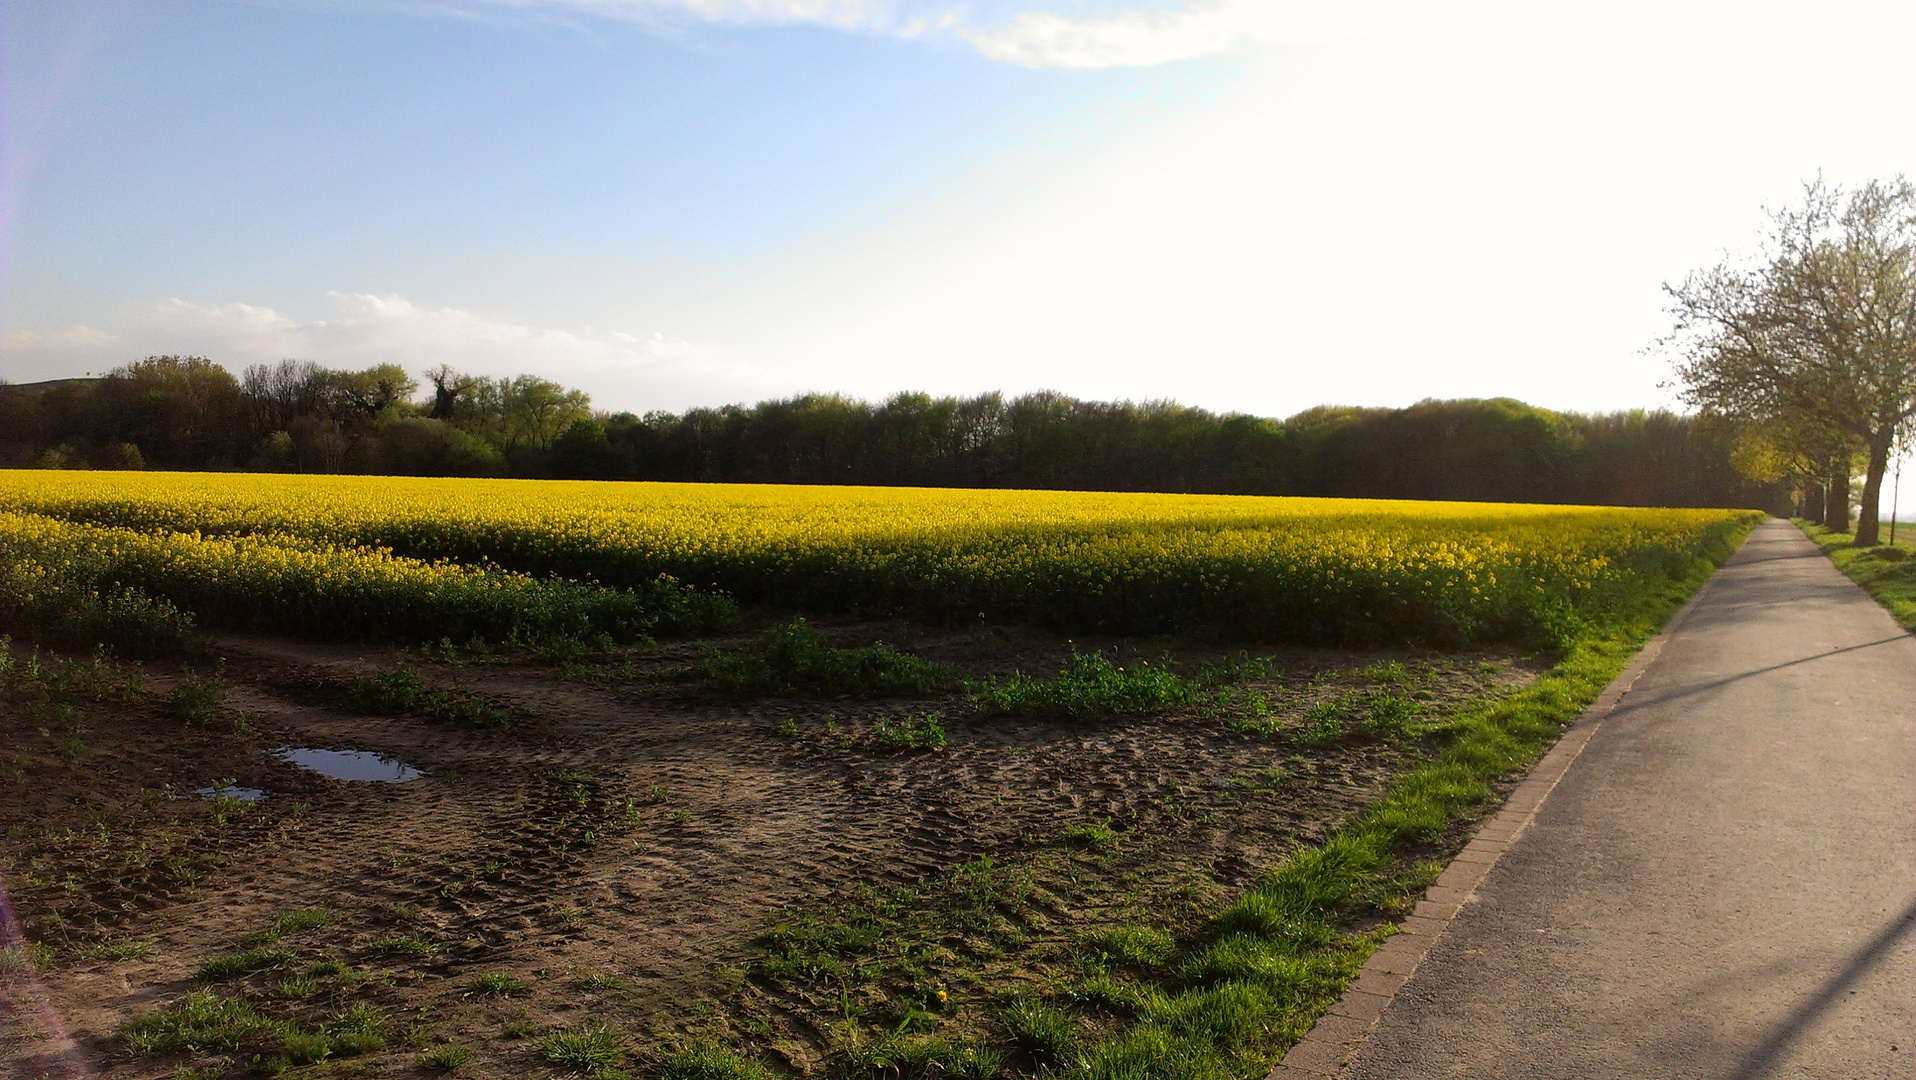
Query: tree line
x=175, y=412
x=1809, y=348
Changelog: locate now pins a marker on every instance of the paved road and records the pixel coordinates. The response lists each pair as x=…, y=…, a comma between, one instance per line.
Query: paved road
x=1724, y=883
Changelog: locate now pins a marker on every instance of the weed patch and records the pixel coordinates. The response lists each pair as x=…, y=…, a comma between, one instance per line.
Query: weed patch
x=400, y=690
x=909, y=733
x=1089, y=685
x=795, y=659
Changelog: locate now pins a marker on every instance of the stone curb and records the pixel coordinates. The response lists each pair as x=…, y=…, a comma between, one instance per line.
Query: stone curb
x=1328, y=1046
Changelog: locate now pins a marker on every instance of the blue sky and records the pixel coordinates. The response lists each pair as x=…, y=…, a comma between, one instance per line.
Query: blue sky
x=1246, y=204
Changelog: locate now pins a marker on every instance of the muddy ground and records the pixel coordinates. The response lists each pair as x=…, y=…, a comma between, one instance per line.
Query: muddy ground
x=619, y=848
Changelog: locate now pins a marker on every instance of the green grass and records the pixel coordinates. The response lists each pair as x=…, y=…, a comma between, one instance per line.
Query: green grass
x=708, y=1061
x=794, y=659
x=494, y=984
x=287, y=923
x=117, y=950
x=199, y=1022
x=1889, y=573
x=584, y=1049
x=400, y=946
x=445, y=1058
x=234, y=964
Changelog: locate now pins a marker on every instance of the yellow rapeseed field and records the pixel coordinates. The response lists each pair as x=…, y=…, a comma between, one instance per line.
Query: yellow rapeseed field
x=1324, y=570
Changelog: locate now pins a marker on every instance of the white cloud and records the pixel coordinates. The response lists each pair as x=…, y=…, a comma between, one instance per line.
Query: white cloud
x=1042, y=39
x=1123, y=33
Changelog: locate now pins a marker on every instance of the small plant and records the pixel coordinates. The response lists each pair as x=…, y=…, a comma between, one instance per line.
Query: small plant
x=583, y=1049
x=195, y=700
x=494, y=984
x=1138, y=946
x=445, y=1058
x=399, y=945
x=287, y=923
x=1089, y=685
x=1049, y=1036
x=328, y=968
x=402, y=691
x=360, y=1029
x=599, y=981
x=305, y=1047
x=298, y=987
x=1096, y=833
x=118, y=950
x=795, y=659
x=1323, y=724
x=708, y=1061
x=234, y=964
x=926, y=733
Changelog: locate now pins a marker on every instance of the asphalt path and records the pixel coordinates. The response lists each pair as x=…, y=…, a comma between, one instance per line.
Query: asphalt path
x=1723, y=885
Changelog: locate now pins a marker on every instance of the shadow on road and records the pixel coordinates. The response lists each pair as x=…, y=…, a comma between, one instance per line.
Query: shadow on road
x=1654, y=698
x=1773, y=1048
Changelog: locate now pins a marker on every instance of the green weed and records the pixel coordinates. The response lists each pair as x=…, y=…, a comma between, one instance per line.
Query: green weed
x=795, y=659
x=907, y=733
x=400, y=690
x=1090, y=684
x=195, y=700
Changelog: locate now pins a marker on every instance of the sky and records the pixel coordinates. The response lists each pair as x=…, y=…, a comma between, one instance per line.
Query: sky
x=1245, y=205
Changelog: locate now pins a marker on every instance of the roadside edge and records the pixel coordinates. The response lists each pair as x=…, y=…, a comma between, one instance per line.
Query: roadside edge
x=1328, y=1046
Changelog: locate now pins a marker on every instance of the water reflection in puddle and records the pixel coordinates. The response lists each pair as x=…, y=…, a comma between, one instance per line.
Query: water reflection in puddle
x=227, y=791
x=349, y=764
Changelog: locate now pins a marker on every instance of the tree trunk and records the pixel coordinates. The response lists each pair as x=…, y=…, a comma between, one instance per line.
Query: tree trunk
x=1866, y=514
x=1836, y=496
x=1810, y=497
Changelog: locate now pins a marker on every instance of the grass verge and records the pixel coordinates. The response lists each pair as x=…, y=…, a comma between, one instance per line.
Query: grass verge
x=1888, y=572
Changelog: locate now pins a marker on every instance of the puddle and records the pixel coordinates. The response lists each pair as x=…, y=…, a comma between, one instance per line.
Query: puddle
x=243, y=794
x=349, y=764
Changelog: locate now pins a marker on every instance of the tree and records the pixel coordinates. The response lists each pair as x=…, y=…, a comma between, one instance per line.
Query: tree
x=1820, y=338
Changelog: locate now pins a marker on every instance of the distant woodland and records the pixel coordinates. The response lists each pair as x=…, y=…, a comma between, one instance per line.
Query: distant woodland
x=189, y=413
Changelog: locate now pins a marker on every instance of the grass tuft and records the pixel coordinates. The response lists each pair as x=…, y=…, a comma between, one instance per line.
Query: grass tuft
x=708, y=1061
x=583, y=1049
